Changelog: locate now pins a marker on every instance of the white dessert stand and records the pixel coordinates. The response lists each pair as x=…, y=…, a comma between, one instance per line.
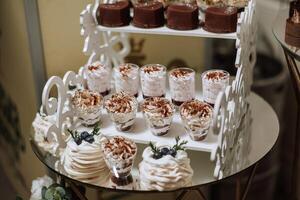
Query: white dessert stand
x=238, y=113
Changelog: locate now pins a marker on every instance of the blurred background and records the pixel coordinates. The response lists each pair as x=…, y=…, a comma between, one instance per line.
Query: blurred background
x=41, y=38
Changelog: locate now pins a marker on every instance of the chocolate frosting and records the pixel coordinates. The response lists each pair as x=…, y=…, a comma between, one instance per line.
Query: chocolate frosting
x=114, y=15
x=182, y=16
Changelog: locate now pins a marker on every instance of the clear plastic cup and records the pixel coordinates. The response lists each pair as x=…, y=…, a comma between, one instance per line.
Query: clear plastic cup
x=122, y=109
x=214, y=82
x=127, y=78
x=98, y=77
x=158, y=112
x=197, y=118
x=182, y=85
x=119, y=154
x=153, y=80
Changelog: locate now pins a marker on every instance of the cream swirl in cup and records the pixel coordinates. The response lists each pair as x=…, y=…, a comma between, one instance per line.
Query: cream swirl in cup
x=87, y=106
x=158, y=112
x=153, y=80
x=122, y=109
x=127, y=78
x=119, y=154
x=197, y=118
x=98, y=77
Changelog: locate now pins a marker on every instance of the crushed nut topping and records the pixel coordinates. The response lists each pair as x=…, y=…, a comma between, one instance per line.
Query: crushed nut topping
x=196, y=108
x=181, y=72
x=86, y=98
x=216, y=75
x=152, y=68
x=158, y=105
x=125, y=69
x=95, y=66
x=121, y=103
x=120, y=147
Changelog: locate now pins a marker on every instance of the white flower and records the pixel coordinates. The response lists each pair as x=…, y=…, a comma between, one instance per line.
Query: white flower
x=37, y=185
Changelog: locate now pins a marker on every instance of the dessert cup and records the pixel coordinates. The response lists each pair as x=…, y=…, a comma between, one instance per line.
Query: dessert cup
x=182, y=85
x=148, y=14
x=214, y=82
x=158, y=112
x=85, y=162
x=119, y=156
x=165, y=173
x=182, y=16
x=114, y=14
x=98, y=77
x=197, y=118
x=153, y=80
x=127, y=79
x=122, y=109
x=87, y=106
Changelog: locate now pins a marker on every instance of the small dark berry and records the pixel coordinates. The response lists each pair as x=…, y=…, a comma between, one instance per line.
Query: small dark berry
x=172, y=152
x=164, y=151
x=90, y=139
x=84, y=135
x=78, y=141
x=157, y=155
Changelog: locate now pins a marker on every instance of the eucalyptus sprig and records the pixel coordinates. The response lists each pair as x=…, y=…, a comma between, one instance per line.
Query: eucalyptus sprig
x=56, y=192
x=179, y=146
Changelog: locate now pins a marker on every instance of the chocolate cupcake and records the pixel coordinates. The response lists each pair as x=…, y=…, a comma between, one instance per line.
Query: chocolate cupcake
x=114, y=14
x=148, y=15
x=221, y=19
x=292, y=31
x=182, y=16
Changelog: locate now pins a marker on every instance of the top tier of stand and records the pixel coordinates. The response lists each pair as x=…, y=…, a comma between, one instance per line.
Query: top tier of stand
x=199, y=32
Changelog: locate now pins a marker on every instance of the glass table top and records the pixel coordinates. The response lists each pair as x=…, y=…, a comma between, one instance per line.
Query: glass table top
x=265, y=130
x=279, y=31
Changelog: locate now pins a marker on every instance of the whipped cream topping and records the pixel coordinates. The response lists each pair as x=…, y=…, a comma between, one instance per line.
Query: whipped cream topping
x=121, y=102
x=157, y=106
x=153, y=80
x=196, y=108
x=85, y=99
x=127, y=78
x=166, y=173
x=216, y=75
x=182, y=84
x=98, y=77
x=119, y=154
x=85, y=162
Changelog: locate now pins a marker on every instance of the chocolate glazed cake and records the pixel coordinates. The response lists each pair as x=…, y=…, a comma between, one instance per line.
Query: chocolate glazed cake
x=114, y=15
x=292, y=31
x=221, y=19
x=148, y=15
x=182, y=16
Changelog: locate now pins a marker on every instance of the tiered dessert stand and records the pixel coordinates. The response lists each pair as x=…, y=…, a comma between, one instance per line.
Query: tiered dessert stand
x=244, y=129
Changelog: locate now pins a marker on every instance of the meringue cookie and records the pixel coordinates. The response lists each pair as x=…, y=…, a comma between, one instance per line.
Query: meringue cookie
x=85, y=162
x=166, y=173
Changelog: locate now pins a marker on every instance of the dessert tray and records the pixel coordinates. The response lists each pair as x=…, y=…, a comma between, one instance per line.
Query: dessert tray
x=227, y=143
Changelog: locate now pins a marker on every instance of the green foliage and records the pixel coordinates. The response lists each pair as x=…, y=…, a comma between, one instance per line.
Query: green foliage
x=56, y=192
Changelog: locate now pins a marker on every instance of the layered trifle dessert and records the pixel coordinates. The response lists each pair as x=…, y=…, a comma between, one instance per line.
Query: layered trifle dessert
x=98, y=77
x=122, y=109
x=158, y=112
x=214, y=82
x=165, y=167
x=87, y=106
x=83, y=158
x=153, y=80
x=119, y=154
x=197, y=118
x=127, y=78
x=182, y=85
